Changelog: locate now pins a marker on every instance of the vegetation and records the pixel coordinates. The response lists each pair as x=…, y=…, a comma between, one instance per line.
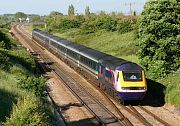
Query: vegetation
x=4, y=41
x=172, y=82
x=87, y=11
x=159, y=31
x=27, y=112
x=71, y=11
x=20, y=15
x=91, y=24
x=21, y=104
x=35, y=85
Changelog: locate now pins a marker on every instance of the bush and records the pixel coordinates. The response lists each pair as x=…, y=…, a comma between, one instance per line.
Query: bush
x=27, y=112
x=4, y=60
x=108, y=23
x=6, y=26
x=5, y=42
x=159, y=37
x=17, y=70
x=125, y=25
x=99, y=23
x=33, y=84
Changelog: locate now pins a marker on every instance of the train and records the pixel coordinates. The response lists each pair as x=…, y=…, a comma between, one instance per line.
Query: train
x=120, y=78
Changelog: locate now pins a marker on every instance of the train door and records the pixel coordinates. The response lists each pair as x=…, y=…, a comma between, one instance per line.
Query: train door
x=101, y=72
x=117, y=80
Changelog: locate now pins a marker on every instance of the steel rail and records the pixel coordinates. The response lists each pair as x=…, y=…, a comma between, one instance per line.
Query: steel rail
x=153, y=115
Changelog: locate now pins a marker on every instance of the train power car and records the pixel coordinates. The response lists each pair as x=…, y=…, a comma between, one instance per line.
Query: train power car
x=120, y=78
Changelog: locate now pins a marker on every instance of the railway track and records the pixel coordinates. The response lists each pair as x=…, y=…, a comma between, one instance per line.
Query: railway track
x=100, y=112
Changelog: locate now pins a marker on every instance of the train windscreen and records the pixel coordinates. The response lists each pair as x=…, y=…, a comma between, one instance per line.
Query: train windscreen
x=132, y=75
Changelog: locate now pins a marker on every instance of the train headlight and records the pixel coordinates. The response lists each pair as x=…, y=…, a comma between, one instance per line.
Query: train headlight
x=133, y=88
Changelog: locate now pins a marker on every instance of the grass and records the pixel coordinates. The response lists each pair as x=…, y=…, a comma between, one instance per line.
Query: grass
x=172, y=83
x=9, y=93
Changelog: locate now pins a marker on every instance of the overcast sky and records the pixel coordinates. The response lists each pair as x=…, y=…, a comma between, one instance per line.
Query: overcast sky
x=44, y=7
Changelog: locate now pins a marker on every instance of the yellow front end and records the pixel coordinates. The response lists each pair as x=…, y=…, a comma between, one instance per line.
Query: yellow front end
x=124, y=83
x=133, y=88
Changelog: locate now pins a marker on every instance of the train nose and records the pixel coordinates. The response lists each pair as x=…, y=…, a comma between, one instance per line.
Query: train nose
x=131, y=95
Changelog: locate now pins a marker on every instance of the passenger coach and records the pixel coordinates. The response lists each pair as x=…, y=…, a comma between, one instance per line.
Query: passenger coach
x=120, y=78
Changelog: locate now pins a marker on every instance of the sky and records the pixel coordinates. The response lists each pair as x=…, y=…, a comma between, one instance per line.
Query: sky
x=44, y=7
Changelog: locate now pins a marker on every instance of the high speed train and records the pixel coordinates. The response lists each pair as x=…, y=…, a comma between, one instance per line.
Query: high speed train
x=120, y=78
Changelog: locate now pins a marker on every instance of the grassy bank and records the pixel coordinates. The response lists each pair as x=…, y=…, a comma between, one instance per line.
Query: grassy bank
x=172, y=83
x=20, y=104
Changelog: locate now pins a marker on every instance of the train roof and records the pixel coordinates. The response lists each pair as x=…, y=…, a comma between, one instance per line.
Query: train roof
x=106, y=60
x=56, y=38
x=64, y=42
x=76, y=47
x=112, y=62
x=92, y=53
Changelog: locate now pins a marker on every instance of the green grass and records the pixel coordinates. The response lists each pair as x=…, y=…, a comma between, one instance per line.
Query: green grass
x=172, y=83
x=9, y=93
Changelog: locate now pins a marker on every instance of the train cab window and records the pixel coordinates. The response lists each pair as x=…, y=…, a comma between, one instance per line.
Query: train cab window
x=132, y=76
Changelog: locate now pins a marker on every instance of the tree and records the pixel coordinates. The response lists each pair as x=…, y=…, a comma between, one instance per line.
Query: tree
x=55, y=13
x=134, y=13
x=159, y=33
x=71, y=10
x=5, y=42
x=36, y=18
x=20, y=15
x=102, y=13
x=87, y=11
x=113, y=14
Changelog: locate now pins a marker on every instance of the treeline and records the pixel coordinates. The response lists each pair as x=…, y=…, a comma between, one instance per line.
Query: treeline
x=5, y=18
x=90, y=22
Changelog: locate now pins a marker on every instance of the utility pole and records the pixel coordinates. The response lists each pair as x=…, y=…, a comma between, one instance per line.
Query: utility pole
x=130, y=7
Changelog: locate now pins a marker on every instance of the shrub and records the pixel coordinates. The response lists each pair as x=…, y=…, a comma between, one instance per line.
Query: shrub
x=6, y=26
x=108, y=23
x=125, y=25
x=159, y=31
x=4, y=60
x=33, y=84
x=27, y=112
x=17, y=70
x=5, y=42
